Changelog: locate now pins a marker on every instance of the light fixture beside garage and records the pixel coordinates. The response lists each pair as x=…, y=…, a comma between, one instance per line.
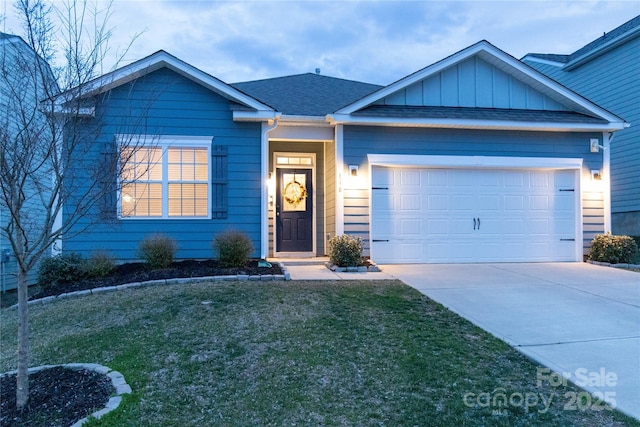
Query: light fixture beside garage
x=353, y=170
x=595, y=146
x=596, y=175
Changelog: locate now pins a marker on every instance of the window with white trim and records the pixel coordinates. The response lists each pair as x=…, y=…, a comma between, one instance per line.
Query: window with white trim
x=169, y=179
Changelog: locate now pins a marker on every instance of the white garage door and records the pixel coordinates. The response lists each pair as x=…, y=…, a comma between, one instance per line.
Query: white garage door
x=421, y=215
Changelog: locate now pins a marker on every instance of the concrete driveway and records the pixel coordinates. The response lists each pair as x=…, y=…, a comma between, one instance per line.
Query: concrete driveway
x=580, y=320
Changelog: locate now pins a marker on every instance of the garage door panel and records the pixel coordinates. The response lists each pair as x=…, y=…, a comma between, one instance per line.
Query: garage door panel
x=437, y=202
x=410, y=202
x=461, y=202
x=411, y=227
x=522, y=215
x=383, y=201
x=410, y=177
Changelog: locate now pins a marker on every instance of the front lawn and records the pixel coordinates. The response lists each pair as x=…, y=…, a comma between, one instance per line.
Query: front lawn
x=295, y=353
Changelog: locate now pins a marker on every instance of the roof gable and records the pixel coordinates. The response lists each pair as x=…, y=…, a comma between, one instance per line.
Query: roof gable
x=473, y=83
x=469, y=82
x=162, y=59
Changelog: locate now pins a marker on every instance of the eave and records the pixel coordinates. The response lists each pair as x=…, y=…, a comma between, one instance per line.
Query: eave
x=347, y=119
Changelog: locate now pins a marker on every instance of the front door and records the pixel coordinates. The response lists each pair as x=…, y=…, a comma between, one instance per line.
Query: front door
x=294, y=210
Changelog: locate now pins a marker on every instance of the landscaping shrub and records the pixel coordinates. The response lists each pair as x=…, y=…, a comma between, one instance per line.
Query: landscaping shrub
x=59, y=269
x=100, y=264
x=233, y=248
x=157, y=251
x=345, y=251
x=613, y=249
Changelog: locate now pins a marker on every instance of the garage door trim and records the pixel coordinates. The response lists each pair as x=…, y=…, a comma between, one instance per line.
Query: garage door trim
x=487, y=162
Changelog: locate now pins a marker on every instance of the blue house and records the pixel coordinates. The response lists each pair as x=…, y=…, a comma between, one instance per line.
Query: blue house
x=476, y=158
x=607, y=71
x=25, y=79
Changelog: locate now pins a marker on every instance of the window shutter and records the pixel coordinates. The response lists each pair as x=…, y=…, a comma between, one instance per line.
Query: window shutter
x=108, y=183
x=219, y=181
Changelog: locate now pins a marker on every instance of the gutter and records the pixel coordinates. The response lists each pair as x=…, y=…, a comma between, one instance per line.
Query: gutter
x=267, y=127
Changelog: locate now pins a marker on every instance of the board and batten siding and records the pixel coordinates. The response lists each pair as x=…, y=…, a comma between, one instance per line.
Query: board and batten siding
x=612, y=80
x=165, y=103
x=362, y=140
x=473, y=83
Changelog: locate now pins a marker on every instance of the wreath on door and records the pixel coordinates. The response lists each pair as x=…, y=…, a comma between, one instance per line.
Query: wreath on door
x=294, y=192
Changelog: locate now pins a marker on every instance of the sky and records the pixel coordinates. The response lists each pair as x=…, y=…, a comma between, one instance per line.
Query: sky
x=371, y=41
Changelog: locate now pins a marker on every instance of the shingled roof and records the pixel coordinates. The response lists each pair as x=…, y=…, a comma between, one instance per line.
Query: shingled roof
x=306, y=94
x=593, y=46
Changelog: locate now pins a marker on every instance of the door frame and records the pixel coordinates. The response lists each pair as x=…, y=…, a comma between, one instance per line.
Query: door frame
x=314, y=221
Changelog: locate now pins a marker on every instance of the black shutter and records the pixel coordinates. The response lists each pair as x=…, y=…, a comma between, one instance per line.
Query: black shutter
x=108, y=182
x=219, y=181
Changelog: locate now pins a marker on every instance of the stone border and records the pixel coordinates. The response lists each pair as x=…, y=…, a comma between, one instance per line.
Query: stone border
x=186, y=280
x=117, y=380
x=372, y=268
x=606, y=264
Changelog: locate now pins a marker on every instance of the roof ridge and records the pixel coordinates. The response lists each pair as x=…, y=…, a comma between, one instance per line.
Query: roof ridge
x=607, y=37
x=304, y=74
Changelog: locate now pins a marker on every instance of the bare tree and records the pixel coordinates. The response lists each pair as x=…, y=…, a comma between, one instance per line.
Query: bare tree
x=47, y=131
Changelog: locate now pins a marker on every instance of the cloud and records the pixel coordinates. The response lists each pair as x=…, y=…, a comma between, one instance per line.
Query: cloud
x=372, y=41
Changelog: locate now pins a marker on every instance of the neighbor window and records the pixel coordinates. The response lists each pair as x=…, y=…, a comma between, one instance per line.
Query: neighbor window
x=169, y=179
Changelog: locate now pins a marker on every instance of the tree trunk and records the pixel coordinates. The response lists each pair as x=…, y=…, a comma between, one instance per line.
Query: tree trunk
x=22, y=390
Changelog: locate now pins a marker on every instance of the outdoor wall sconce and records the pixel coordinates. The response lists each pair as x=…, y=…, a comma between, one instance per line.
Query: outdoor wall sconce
x=353, y=170
x=594, y=145
x=596, y=175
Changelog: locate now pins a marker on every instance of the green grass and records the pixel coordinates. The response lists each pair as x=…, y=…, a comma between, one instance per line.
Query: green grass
x=292, y=353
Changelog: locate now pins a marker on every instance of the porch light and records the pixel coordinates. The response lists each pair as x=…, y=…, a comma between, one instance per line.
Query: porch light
x=596, y=175
x=353, y=170
x=271, y=188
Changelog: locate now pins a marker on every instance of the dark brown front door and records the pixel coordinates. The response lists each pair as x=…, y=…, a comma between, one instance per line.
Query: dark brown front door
x=294, y=210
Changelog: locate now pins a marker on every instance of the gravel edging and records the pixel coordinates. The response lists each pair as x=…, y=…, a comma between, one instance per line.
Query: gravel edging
x=186, y=280
x=606, y=264
x=117, y=380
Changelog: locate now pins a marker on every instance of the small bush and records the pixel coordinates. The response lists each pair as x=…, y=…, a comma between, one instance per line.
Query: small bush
x=345, y=251
x=60, y=269
x=613, y=249
x=157, y=251
x=99, y=264
x=233, y=248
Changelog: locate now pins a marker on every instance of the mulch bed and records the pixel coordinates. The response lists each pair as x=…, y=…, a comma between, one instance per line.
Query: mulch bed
x=57, y=397
x=139, y=272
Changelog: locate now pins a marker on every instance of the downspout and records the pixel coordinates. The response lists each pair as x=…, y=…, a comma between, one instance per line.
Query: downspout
x=607, y=137
x=264, y=196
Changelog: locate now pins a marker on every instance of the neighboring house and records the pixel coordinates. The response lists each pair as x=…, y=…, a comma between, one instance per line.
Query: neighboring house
x=476, y=158
x=21, y=89
x=607, y=71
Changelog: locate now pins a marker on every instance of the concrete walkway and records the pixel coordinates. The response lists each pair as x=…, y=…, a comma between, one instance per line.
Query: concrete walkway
x=580, y=320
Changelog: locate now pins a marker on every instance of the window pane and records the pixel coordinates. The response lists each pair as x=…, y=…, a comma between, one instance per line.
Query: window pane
x=188, y=155
x=202, y=172
x=173, y=171
x=188, y=172
x=201, y=156
x=173, y=155
x=155, y=171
